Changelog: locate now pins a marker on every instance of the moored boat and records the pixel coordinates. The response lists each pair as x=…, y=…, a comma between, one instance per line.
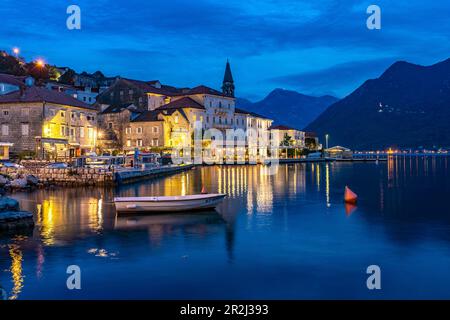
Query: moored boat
x=168, y=203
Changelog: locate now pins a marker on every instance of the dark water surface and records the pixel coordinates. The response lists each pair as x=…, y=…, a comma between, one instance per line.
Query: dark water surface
x=284, y=236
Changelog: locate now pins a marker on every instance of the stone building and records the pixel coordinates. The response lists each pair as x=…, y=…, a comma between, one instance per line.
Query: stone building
x=46, y=123
x=145, y=132
x=146, y=95
x=281, y=133
x=113, y=121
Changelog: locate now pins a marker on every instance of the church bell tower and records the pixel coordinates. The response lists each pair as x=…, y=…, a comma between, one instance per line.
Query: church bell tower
x=228, y=83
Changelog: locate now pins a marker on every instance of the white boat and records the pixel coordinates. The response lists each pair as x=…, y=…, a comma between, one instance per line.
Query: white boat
x=169, y=203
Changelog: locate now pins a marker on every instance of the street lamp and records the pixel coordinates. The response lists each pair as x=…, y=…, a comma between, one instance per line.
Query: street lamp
x=326, y=141
x=40, y=63
x=16, y=52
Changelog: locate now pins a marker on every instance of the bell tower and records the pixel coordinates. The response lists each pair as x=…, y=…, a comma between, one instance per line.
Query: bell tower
x=228, y=83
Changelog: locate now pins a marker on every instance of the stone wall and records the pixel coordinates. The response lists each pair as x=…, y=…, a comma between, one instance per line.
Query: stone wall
x=65, y=177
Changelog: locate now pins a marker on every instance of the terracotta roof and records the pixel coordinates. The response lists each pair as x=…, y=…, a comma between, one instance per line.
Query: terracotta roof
x=39, y=94
x=282, y=127
x=185, y=102
x=254, y=114
x=204, y=90
x=116, y=108
x=147, y=116
x=147, y=86
x=10, y=79
x=310, y=134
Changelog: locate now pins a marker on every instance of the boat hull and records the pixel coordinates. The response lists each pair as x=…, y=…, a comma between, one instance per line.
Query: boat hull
x=168, y=204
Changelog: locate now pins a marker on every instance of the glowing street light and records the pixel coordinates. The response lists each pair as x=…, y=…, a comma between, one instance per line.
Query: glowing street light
x=40, y=63
x=16, y=52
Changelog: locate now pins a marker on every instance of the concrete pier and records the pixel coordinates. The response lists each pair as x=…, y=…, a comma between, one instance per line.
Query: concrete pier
x=129, y=176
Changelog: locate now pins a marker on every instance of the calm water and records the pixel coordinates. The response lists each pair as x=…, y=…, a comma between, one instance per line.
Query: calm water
x=284, y=236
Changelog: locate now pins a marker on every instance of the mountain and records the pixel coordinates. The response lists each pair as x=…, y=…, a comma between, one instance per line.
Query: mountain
x=288, y=107
x=408, y=106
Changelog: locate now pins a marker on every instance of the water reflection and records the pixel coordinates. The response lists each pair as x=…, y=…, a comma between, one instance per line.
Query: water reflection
x=284, y=216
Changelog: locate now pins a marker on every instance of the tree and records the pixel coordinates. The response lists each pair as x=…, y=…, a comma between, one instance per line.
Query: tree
x=11, y=65
x=287, y=140
x=68, y=77
x=40, y=73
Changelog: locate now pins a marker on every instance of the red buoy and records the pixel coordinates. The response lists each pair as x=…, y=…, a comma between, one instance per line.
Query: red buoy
x=350, y=196
x=204, y=190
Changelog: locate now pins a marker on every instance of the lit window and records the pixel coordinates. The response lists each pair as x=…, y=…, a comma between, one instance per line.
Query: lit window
x=81, y=132
x=128, y=143
x=176, y=119
x=139, y=143
x=128, y=130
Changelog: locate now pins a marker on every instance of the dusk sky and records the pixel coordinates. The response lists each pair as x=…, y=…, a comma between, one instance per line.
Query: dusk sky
x=314, y=47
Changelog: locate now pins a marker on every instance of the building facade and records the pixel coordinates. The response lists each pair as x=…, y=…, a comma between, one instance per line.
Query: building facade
x=46, y=123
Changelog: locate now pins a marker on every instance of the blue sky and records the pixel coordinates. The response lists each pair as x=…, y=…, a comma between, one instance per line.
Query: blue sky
x=315, y=47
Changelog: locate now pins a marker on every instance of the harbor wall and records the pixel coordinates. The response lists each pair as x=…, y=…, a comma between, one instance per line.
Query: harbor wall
x=90, y=177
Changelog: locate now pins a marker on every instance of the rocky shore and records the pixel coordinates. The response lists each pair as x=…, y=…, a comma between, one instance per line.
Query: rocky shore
x=18, y=182
x=11, y=217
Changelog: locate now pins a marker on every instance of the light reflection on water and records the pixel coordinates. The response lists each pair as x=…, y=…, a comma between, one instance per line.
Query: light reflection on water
x=297, y=212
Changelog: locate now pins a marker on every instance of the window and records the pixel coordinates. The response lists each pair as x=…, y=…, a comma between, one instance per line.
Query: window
x=121, y=93
x=63, y=131
x=25, y=112
x=72, y=132
x=90, y=133
x=84, y=99
x=130, y=92
x=25, y=129
x=128, y=130
x=128, y=143
x=155, y=129
x=139, y=130
x=155, y=142
x=110, y=125
x=220, y=104
x=5, y=112
x=5, y=130
x=81, y=132
x=138, y=143
x=176, y=119
x=72, y=115
x=63, y=114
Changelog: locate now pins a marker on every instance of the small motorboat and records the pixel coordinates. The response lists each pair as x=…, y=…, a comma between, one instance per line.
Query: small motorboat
x=169, y=203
